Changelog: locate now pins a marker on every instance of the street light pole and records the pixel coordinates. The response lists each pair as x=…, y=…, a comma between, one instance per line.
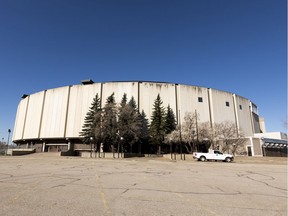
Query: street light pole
x=2, y=143
x=91, y=139
x=234, y=149
x=121, y=142
x=9, y=131
x=170, y=141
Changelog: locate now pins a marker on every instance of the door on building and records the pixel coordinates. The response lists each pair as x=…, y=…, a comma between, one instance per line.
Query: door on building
x=249, y=150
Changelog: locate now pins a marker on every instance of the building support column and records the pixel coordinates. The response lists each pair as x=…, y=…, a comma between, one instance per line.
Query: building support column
x=43, y=146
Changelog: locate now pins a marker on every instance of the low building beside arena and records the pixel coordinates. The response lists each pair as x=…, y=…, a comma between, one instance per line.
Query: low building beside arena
x=50, y=120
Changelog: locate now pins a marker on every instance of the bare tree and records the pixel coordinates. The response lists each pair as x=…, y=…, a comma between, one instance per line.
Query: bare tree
x=224, y=136
x=189, y=131
x=206, y=135
x=173, y=137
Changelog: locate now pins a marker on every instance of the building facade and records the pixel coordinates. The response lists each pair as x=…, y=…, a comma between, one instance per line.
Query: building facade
x=51, y=120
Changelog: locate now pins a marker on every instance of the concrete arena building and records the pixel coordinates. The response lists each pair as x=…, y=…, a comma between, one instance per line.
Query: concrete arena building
x=51, y=120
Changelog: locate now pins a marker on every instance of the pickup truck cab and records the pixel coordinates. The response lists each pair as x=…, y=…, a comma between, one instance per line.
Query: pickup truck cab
x=213, y=155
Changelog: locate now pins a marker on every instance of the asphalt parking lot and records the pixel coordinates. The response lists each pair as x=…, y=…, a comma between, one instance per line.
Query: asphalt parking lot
x=53, y=185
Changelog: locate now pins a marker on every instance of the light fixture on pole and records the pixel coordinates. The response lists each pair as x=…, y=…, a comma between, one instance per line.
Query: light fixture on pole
x=121, y=138
x=9, y=131
x=91, y=140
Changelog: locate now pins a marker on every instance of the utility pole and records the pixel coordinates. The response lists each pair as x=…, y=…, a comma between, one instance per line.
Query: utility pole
x=9, y=131
x=180, y=134
x=91, y=140
x=197, y=132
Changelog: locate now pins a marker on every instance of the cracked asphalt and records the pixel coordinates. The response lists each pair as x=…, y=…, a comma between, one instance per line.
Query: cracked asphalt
x=43, y=185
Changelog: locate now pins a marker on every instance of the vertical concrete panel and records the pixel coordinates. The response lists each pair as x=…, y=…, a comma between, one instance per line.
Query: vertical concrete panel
x=20, y=119
x=54, y=113
x=81, y=98
x=257, y=147
x=119, y=88
x=202, y=107
x=188, y=101
x=244, y=116
x=33, y=117
x=149, y=92
x=221, y=112
x=256, y=123
x=255, y=118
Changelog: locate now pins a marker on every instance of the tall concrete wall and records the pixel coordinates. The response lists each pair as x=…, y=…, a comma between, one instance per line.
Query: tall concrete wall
x=60, y=112
x=54, y=113
x=243, y=116
x=192, y=99
x=20, y=119
x=148, y=93
x=222, y=106
x=119, y=88
x=33, y=115
x=257, y=147
x=80, y=99
x=255, y=120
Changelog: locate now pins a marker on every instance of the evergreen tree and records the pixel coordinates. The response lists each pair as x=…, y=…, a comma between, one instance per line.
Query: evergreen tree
x=129, y=123
x=135, y=124
x=157, y=126
x=92, y=122
x=132, y=104
x=122, y=118
x=170, y=121
x=109, y=123
x=144, y=132
x=123, y=101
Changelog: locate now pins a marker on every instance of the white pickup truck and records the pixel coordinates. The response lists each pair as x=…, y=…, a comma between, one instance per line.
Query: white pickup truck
x=213, y=155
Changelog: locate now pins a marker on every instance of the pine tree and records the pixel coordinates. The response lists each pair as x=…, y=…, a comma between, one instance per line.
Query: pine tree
x=144, y=131
x=92, y=122
x=129, y=123
x=157, y=126
x=123, y=101
x=170, y=121
x=135, y=124
x=132, y=103
x=109, y=123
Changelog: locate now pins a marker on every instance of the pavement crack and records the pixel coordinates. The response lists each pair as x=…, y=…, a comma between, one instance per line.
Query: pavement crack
x=174, y=192
x=270, y=178
x=127, y=189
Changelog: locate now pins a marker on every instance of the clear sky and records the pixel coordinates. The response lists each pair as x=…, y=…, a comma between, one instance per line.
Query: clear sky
x=238, y=46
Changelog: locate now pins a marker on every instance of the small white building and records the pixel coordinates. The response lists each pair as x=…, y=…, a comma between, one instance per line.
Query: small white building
x=267, y=144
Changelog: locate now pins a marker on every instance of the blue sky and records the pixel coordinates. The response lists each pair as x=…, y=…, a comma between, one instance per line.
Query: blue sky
x=238, y=46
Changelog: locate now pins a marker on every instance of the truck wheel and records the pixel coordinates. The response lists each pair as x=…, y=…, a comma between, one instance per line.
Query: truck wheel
x=202, y=158
x=228, y=159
